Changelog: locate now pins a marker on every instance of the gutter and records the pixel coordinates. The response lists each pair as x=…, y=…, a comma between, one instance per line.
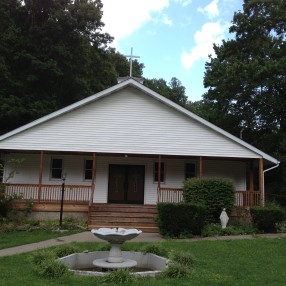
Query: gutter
x=263, y=191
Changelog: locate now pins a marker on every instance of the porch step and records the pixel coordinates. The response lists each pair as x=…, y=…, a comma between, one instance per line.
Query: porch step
x=127, y=216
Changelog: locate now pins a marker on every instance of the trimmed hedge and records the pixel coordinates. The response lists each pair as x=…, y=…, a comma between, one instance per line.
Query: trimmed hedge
x=214, y=193
x=178, y=219
x=266, y=218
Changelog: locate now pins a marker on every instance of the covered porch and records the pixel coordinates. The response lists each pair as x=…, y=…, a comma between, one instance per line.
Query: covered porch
x=83, y=194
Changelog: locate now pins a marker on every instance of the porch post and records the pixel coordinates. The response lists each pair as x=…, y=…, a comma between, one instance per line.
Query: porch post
x=93, y=178
x=251, y=182
x=159, y=177
x=201, y=167
x=261, y=181
x=40, y=176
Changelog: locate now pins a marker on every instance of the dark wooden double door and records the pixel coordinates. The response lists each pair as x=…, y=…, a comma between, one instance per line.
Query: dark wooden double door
x=126, y=184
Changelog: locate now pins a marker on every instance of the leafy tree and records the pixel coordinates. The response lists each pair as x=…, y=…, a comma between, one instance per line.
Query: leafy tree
x=246, y=79
x=173, y=91
x=52, y=53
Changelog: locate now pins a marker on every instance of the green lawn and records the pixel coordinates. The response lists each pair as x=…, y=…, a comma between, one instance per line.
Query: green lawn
x=16, y=238
x=238, y=262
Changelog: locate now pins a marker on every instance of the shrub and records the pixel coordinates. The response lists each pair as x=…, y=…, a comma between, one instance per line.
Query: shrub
x=52, y=268
x=175, y=219
x=46, y=264
x=119, y=276
x=155, y=249
x=266, y=218
x=39, y=257
x=214, y=193
x=175, y=270
x=281, y=227
x=65, y=250
x=6, y=203
x=183, y=258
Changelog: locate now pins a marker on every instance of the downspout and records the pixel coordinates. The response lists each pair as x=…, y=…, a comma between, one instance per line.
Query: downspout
x=264, y=171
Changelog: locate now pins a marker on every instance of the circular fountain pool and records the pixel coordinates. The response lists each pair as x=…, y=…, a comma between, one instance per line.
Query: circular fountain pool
x=147, y=264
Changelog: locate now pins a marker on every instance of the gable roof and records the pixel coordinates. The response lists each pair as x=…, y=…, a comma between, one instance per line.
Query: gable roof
x=130, y=82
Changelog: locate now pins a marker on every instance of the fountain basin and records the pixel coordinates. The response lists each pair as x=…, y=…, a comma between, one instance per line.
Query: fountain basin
x=78, y=262
x=116, y=235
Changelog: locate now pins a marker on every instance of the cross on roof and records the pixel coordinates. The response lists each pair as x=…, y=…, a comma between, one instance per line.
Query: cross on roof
x=131, y=58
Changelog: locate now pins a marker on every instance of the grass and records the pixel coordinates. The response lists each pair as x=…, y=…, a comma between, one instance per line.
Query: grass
x=232, y=262
x=16, y=238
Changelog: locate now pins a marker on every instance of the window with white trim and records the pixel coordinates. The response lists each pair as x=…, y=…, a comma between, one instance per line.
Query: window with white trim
x=162, y=172
x=56, y=168
x=88, y=169
x=190, y=170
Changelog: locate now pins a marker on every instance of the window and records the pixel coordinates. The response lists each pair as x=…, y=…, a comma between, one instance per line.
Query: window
x=190, y=170
x=56, y=168
x=162, y=172
x=88, y=169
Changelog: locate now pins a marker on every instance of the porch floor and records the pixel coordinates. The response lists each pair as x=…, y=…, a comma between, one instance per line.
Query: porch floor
x=123, y=215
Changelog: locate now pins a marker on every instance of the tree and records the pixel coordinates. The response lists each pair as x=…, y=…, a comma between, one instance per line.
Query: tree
x=173, y=91
x=246, y=79
x=51, y=53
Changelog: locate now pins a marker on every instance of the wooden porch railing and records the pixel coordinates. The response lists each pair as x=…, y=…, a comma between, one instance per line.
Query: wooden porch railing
x=49, y=193
x=170, y=195
x=246, y=199
x=243, y=199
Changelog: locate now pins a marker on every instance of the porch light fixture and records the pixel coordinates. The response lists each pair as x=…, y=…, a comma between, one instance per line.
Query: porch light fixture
x=64, y=175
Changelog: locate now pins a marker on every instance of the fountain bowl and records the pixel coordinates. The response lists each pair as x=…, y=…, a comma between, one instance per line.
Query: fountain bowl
x=116, y=235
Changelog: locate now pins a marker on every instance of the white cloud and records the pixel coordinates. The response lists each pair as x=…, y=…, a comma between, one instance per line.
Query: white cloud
x=122, y=18
x=167, y=21
x=210, y=10
x=184, y=3
x=205, y=38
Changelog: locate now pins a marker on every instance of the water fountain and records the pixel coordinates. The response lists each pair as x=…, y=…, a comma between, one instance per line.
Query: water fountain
x=116, y=237
x=99, y=262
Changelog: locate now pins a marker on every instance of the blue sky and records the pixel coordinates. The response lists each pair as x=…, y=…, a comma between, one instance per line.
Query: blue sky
x=172, y=37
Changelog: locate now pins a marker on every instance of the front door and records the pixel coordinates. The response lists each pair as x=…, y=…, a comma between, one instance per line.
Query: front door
x=126, y=184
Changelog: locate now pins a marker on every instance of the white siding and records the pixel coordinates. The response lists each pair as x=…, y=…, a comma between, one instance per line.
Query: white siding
x=128, y=121
x=28, y=172
x=233, y=170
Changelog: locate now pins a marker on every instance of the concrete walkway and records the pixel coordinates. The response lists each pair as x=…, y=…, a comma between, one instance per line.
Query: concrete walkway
x=87, y=236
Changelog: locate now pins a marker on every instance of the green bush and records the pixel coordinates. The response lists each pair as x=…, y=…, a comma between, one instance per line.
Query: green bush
x=52, y=269
x=6, y=203
x=175, y=270
x=183, y=258
x=119, y=276
x=65, y=250
x=267, y=218
x=175, y=219
x=46, y=264
x=214, y=193
x=155, y=249
x=39, y=257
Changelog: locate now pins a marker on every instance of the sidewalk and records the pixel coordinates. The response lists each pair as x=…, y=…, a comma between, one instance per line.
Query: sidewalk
x=87, y=236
